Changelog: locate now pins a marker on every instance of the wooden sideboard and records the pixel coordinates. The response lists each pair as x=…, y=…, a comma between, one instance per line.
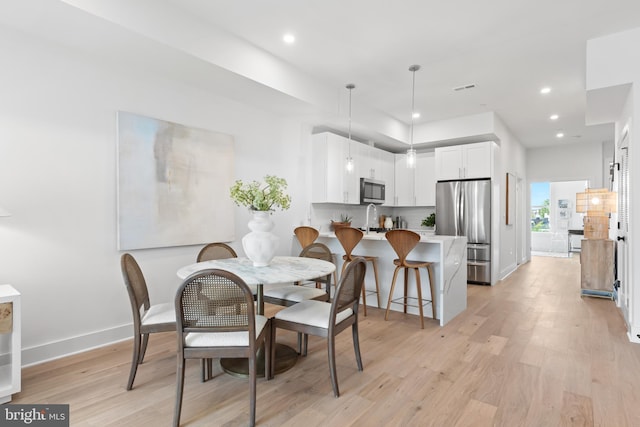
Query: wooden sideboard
x=597, y=267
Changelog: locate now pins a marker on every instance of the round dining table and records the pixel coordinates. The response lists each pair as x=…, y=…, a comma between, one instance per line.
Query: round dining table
x=282, y=269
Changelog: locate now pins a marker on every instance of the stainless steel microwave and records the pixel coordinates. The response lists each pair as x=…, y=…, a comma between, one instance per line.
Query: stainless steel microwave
x=371, y=191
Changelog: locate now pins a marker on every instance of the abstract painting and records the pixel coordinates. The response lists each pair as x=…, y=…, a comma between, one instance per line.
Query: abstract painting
x=173, y=184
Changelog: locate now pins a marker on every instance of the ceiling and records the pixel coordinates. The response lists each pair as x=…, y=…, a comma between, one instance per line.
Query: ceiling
x=509, y=49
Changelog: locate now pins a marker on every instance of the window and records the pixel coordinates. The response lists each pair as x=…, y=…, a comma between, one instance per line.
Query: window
x=540, y=195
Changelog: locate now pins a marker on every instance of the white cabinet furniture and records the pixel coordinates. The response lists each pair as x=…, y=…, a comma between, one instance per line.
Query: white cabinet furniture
x=10, y=332
x=388, y=175
x=377, y=164
x=425, y=175
x=415, y=187
x=405, y=182
x=330, y=181
x=466, y=161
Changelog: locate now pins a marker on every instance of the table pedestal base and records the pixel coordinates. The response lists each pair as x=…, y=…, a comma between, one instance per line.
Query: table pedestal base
x=286, y=358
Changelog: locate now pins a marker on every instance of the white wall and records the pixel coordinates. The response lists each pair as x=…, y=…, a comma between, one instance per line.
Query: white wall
x=613, y=66
x=58, y=178
x=566, y=162
x=512, y=160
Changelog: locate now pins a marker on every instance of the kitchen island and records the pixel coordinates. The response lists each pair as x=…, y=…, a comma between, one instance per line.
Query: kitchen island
x=449, y=257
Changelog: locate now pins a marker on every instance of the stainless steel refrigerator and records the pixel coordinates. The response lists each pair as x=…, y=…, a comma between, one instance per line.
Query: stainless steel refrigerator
x=463, y=208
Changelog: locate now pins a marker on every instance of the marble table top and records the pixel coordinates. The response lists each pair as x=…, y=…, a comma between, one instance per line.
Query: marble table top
x=282, y=269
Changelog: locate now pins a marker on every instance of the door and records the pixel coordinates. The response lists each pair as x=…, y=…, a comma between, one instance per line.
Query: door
x=476, y=211
x=447, y=208
x=621, y=182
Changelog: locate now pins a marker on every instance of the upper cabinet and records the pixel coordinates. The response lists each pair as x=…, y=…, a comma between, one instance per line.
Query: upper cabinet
x=416, y=186
x=330, y=181
x=425, y=185
x=464, y=161
x=374, y=163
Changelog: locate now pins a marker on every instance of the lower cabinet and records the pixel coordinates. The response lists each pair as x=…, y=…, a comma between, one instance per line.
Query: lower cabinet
x=596, y=267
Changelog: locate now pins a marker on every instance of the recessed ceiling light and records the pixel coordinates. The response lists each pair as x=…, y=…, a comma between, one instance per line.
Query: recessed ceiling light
x=545, y=90
x=416, y=115
x=289, y=38
x=554, y=117
x=559, y=135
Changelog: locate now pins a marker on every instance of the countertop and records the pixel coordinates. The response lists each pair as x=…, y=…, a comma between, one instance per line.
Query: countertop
x=425, y=236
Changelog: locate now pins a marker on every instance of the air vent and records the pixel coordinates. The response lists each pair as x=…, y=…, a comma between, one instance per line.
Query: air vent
x=465, y=87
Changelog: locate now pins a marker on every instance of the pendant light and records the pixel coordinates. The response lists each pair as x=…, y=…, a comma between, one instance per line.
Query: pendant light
x=411, y=152
x=349, y=161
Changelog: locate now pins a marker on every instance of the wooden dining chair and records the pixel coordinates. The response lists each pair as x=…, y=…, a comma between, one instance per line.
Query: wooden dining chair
x=292, y=294
x=147, y=318
x=216, y=250
x=327, y=319
x=210, y=252
x=349, y=238
x=403, y=242
x=215, y=317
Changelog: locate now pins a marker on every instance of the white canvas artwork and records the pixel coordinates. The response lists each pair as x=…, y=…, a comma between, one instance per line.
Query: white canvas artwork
x=173, y=184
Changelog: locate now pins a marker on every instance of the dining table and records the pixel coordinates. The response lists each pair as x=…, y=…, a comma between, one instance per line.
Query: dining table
x=282, y=269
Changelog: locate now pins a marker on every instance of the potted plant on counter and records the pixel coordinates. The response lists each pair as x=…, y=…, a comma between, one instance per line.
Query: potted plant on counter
x=345, y=221
x=429, y=222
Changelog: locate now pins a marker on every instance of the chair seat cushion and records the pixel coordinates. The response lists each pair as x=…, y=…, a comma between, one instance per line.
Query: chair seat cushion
x=224, y=339
x=159, y=313
x=312, y=313
x=294, y=293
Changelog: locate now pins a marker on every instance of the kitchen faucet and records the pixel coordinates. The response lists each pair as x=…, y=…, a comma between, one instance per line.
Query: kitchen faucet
x=375, y=214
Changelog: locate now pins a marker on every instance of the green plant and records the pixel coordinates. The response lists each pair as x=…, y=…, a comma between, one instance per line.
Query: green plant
x=262, y=196
x=345, y=218
x=429, y=221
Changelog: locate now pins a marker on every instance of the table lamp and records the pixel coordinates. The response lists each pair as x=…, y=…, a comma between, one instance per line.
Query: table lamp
x=597, y=204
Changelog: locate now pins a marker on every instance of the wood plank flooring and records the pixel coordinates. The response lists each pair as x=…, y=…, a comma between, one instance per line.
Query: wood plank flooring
x=527, y=352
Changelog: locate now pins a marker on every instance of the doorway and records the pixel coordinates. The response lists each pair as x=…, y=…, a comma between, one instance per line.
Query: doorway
x=555, y=224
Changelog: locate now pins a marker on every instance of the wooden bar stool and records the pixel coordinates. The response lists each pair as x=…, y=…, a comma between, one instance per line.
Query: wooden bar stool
x=349, y=238
x=403, y=242
x=307, y=235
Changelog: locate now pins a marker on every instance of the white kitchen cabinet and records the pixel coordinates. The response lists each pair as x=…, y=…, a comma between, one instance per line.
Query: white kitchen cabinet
x=404, y=182
x=10, y=337
x=468, y=161
x=370, y=163
x=415, y=187
x=330, y=181
x=425, y=179
x=388, y=166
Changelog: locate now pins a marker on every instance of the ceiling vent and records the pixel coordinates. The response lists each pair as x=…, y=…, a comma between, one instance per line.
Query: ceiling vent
x=465, y=87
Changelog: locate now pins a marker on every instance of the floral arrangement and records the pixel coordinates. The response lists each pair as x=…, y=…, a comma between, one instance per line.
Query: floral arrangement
x=262, y=196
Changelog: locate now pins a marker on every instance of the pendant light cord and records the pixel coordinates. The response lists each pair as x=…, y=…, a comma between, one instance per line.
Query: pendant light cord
x=350, y=86
x=413, y=69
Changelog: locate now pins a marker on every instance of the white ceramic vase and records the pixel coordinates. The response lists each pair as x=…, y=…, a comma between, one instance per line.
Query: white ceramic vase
x=260, y=244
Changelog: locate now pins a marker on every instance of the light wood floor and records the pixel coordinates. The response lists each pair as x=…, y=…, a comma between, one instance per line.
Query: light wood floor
x=527, y=352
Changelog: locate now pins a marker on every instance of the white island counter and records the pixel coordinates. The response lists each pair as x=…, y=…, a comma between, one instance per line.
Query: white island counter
x=448, y=253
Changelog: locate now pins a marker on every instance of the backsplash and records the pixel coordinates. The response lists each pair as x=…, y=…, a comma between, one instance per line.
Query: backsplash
x=323, y=213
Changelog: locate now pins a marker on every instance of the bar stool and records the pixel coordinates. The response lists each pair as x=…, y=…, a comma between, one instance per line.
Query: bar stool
x=349, y=238
x=307, y=235
x=403, y=242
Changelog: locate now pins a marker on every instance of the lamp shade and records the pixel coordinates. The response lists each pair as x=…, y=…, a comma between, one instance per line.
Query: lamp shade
x=596, y=202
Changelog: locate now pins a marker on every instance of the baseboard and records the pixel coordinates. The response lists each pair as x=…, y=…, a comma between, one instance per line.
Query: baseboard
x=81, y=343
x=634, y=335
x=507, y=271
